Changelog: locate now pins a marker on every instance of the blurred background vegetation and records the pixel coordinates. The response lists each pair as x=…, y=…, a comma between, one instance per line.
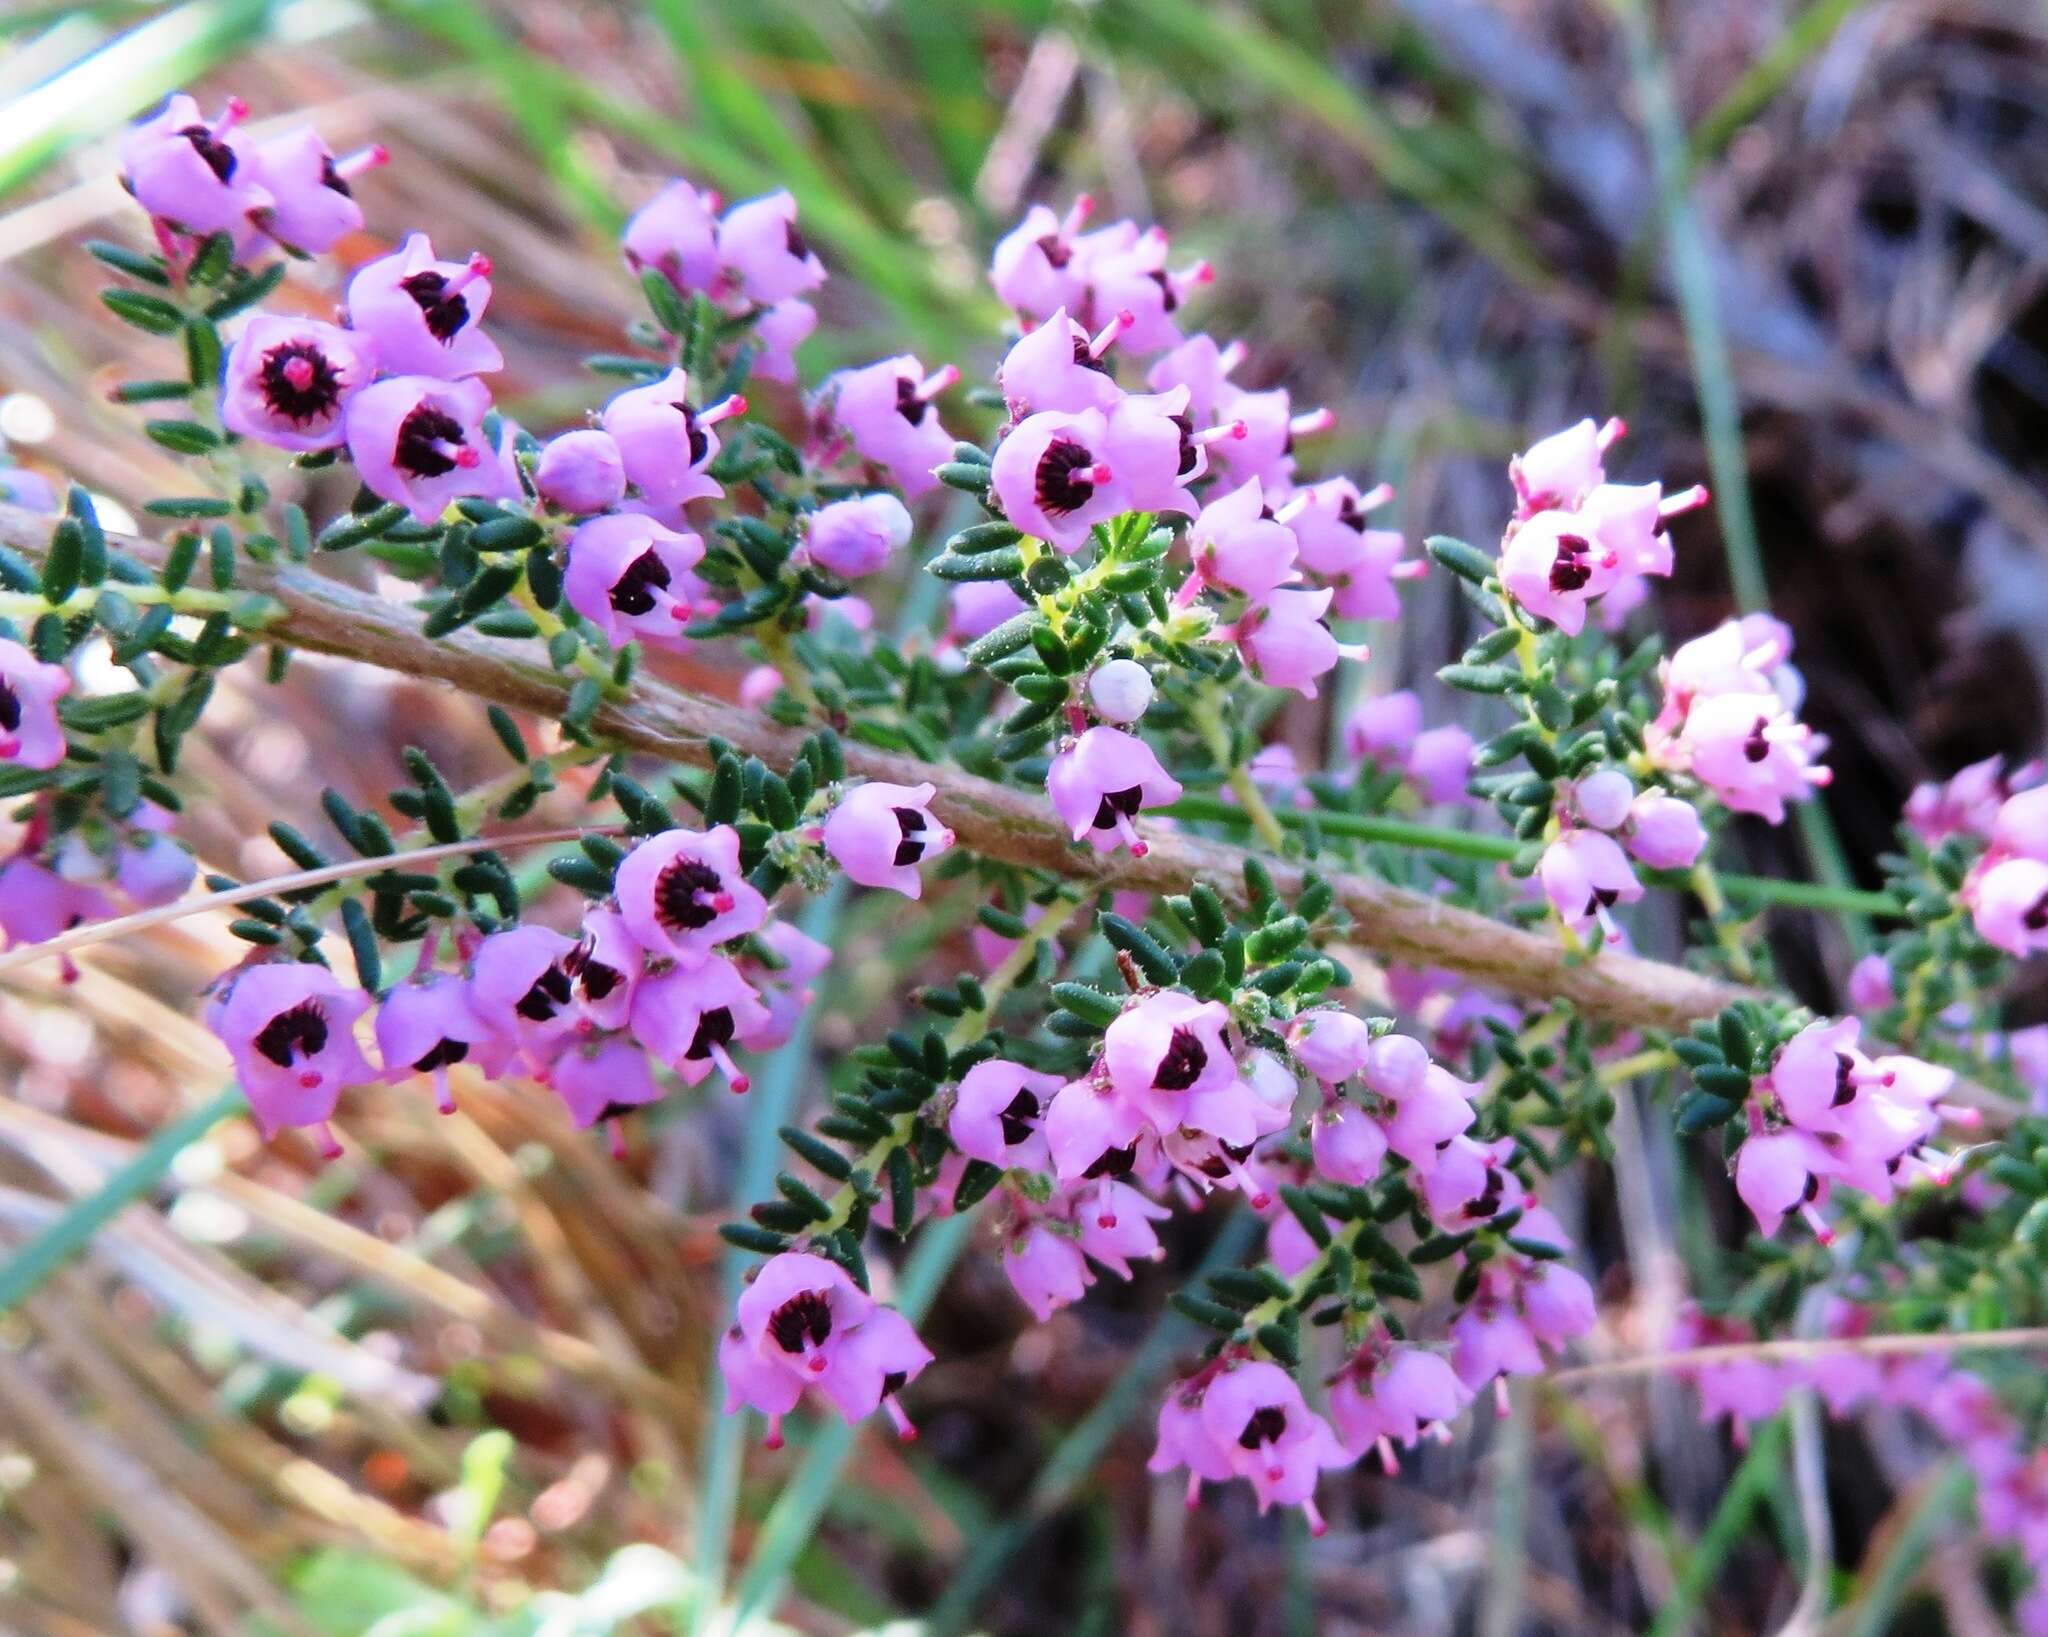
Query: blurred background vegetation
x=457, y=1383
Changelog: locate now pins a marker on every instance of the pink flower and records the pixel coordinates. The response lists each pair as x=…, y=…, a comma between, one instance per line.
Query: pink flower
x=762, y=252
x=426, y=1025
x=192, y=174
x=1553, y=566
x=1125, y=272
x=784, y=987
x=36, y=903
x=1155, y=452
x=804, y=1324
x=689, y=1015
x=30, y=733
x=885, y=411
x=778, y=333
x=880, y=833
x=1236, y=544
x=665, y=442
x=29, y=490
x=1967, y=804
x=1091, y=1130
x=1779, y=1173
x=287, y=381
x=675, y=234
x=1561, y=470
x=1664, y=832
x=153, y=869
x=1602, y=799
x=1265, y=449
x=1384, y=727
x=1285, y=643
x=1491, y=1339
x=419, y=442
x=581, y=472
x=1330, y=1043
x=1251, y=1423
x=1358, y=563
x=2008, y=904
x=312, y=206
x=1396, y=1067
x=1430, y=1117
x=289, y=1026
x=520, y=986
x=1348, y=1144
x=1440, y=764
x=1870, y=984
x=1750, y=751
x=623, y=574
x=682, y=893
x=2022, y=825
x=1058, y=366
x=1165, y=1047
x=1033, y=269
x=1115, y=1222
x=425, y=317
x=1046, y=1268
x=603, y=1079
x=855, y=537
x=998, y=1111
x=1390, y=1394
x=1204, y=369
x=1101, y=781
x=1629, y=519
x=1584, y=874
x=978, y=607
x=1052, y=476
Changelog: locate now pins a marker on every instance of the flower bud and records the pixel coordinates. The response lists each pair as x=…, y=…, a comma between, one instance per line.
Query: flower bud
x=1121, y=690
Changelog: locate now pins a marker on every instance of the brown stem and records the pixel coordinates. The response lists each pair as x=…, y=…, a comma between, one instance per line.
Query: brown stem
x=993, y=820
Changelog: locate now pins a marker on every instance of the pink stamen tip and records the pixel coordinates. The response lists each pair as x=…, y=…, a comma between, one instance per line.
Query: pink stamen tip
x=1317, y=1525
x=1415, y=568
x=1612, y=433
x=232, y=113
x=1201, y=273
x=479, y=265
x=1388, y=1459
x=721, y=903
x=1105, y=1221
x=298, y=371
x=1684, y=501
x=1261, y=1201
x=773, y=1440
x=815, y=1364
x=1375, y=497
x=376, y=154
x=1100, y=473
x=617, y=1133
x=740, y=1084
x=1230, y=357
x=1315, y=420
x=310, y=1079
x=937, y=382
x=1078, y=212
x=469, y=459
x=906, y=1434
x=330, y=1145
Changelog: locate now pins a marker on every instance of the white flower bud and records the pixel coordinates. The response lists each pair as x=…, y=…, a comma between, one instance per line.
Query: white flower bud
x=1121, y=690
x=1604, y=797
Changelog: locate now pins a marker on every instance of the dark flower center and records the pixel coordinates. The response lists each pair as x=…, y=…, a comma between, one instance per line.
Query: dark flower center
x=294, y=1034
x=1488, y=1201
x=332, y=178
x=892, y=1383
x=10, y=708
x=799, y=246
x=1183, y=1063
x=1062, y=485
x=441, y=1054
x=1350, y=516
x=912, y=826
x=1115, y=802
x=633, y=591
x=806, y=1316
x=1158, y=277
x=445, y=310
x=700, y=445
x=549, y=994
x=1189, y=453
x=1017, y=1118
x=1845, y=1089
x=1756, y=747
x=299, y=383
x=1115, y=1162
x=1571, y=570
x=1265, y=1427
x=908, y=404
x=597, y=979
x=714, y=1028
x=1056, y=250
x=219, y=157
x=420, y=437
x=2036, y=918
x=678, y=894
x=1087, y=360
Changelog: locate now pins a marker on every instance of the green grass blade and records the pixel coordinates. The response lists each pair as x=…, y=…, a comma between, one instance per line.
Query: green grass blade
x=25, y=1272
x=1803, y=38
x=1761, y=1471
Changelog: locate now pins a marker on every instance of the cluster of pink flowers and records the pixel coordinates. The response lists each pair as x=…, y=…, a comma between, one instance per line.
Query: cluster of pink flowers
x=1730, y=719
x=1963, y=1411
x=2007, y=889
x=1604, y=822
x=197, y=177
x=1387, y=732
x=52, y=883
x=803, y=1324
x=1577, y=539
x=752, y=260
x=681, y=968
x=1827, y=1113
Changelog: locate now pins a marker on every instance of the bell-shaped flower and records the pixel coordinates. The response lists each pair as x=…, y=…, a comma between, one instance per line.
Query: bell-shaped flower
x=581, y=472
x=194, y=173
x=880, y=833
x=665, y=441
x=1101, y=781
x=857, y=536
x=1285, y=643
x=689, y=1017
x=675, y=235
x=419, y=442
x=1046, y=1267
x=628, y=575
x=30, y=733
x=682, y=893
x=423, y=316
x=288, y=380
x=998, y=1114
x=290, y=1028
x=312, y=204
x=1058, y=366
x=426, y=1025
x=762, y=253
x=1166, y=1046
x=885, y=412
